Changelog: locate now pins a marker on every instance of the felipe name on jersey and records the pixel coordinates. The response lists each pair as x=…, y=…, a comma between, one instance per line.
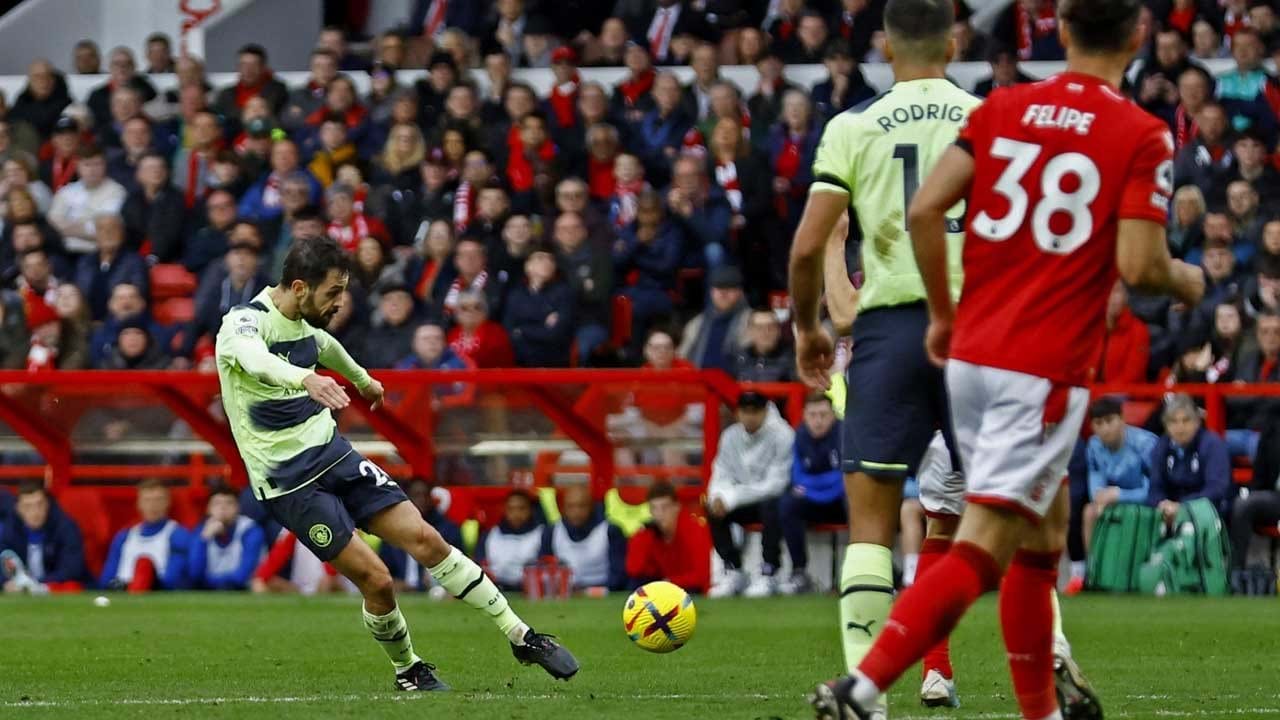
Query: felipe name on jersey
x=1059, y=117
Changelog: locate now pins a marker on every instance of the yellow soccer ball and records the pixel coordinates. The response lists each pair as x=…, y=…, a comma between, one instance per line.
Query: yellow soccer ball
x=659, y=617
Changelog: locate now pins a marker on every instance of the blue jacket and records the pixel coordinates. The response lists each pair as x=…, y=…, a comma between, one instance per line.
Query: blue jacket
x=127, y=268
x=447, y=361
x=1128, y=468
x=59, y=542
x=709, y=223
x=251, y=207
x=175, y=572
x=103, y=340
x=525, y=317
x=651, y=138
x=251, y=547
x=655, y=262
x=815, y=469
x=1201, y=470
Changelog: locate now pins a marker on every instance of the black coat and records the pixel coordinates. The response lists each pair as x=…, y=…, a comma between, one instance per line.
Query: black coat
x=386, y=345
x=162, y=221
x=535, y=343
x=100, y=99
x=41, y=114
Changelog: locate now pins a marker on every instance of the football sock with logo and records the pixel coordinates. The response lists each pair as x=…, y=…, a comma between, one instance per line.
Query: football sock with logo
x=392, y=633
x=927, y=612
x=866, y=594
x=939, y=656
x=458, y=574
x=1026, y=619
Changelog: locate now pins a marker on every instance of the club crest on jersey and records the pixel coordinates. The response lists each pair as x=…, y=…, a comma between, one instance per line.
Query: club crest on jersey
x=320, y=535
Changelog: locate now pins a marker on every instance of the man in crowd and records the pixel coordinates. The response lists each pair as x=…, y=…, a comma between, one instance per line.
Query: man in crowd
x=593, y=548
x=673, y=546
x=40, y=546
x=151, y=555
x=1188, y=462
x=816, y=494
x=77, y=204
x=719, y=332
x=227, y=547
x=98, y=272
x=766, y=357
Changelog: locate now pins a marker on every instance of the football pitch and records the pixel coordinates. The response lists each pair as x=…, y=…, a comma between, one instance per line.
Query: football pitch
x=236, y=656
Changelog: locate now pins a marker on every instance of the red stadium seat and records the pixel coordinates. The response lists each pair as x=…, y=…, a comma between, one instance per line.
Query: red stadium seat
x=169, y=280
x=174, y=310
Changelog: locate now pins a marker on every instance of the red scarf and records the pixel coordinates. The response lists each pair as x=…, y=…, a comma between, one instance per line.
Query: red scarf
x=463, y=207
x=787, y=166
x=430, y=272
x=352, y=117
x=786, y=28
x=625, y=197
x=727, y=178
x=350, y=234
x=600, y=182
x=244, y=92
x=1184, y=127
x=62, y=170
x=520, y=170
x=1231, y=23
x=486, y=347
x=1029, y=29
x=458, y=285
x=634, y=89
x=1183, y=19
x=197, y=169
x=562, y=100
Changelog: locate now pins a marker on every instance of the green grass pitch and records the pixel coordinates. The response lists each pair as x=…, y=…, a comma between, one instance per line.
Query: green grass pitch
x=235, y=656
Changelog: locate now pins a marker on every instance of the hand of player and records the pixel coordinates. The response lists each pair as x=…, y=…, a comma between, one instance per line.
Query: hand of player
x=373, y=392
x=326, y=391
x=212, y=529
x=937, y=341
x=1190, y=285
x=815, y=352
x=1168, y=509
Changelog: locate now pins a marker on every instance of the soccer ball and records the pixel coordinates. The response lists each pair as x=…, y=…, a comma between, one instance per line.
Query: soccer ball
x=659, y=617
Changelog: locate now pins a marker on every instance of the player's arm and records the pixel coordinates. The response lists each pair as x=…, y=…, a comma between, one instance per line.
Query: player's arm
x=336, y=358
x=1142, y=255
x=240, y=342
x=947, y=185
x=841, y=295
x=829, y=197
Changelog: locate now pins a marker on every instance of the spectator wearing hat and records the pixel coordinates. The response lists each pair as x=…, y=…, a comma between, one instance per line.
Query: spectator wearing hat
x=845, y=85
x=61, y=167
x=122, y=72
x=1004, y=71
x=433, y=90
x=153, y=212
x=40, y=104
x=589, y=271
x=253, y=78
x=253, y=148
x=109, y=265
x=263, y=200
x=234, y=281
x=563, y=99
x=390, y=338
x=77, y=204
x=1119, y=462
x=659, y=135
x=719, y=332
x=127, y=302
x=674, y=546
x=751, y=471
x=135, y=348
x=44, y=351
x=308, y=98
x=632, y=97
x=539, y=314
x=477, y=339
x=537, y=42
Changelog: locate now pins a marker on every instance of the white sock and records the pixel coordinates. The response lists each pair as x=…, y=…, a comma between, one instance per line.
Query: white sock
x=458, y=574
x=1078, y=568
x=909, y=563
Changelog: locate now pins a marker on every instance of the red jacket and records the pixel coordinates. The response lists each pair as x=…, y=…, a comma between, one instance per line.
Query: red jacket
x=685, y=561
x=1122, y=357
x=487, y=347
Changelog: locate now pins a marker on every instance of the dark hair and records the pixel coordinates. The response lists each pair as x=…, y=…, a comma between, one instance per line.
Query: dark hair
x=1105, y=406
x=223, y=489
x=661, y=490
x=310, y=261
x=1268, y=265
x=536, y=115
x=253, y=49
x=326, y=52
x=914, y=20
x=30, y=487
x=89, y=151
x=818, y=397
x=158, y=37
x=1100, y=25
x=154, y=155
x=752, y=400
x=308, y=212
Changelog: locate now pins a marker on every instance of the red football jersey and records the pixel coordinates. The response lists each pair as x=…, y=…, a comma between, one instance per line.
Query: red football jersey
x=1056, y=164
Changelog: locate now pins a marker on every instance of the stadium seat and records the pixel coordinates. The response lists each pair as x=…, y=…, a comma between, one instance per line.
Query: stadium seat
x=170, y=280
x=174, y=310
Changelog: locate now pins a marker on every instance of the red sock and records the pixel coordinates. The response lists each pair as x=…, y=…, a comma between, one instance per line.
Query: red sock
x=1026, y=617
x=928, y=611
x=939, y=656
x=144, y=576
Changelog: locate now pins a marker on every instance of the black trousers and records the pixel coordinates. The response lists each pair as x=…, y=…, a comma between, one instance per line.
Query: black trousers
x=765, y=513
x=1261, y=508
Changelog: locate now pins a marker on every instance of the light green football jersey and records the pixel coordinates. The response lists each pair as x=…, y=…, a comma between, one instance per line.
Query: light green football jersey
x=285, y=438
x=878, y=153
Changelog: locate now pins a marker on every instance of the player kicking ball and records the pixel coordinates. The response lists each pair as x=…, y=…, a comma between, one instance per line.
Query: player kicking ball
x=313, y=482
x=1068, y=184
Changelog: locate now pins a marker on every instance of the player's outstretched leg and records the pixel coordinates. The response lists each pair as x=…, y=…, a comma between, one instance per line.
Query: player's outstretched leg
x=938, y=686
x=382, y=616
x=403, y=526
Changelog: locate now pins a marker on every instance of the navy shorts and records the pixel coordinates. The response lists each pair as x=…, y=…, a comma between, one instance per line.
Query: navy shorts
x=897, y=398
x=324, y=513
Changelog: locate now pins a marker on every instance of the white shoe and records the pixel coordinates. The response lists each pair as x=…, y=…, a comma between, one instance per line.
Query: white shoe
x=761, y=586
x=938, y=691
x=732, y=583
x=796, y=584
